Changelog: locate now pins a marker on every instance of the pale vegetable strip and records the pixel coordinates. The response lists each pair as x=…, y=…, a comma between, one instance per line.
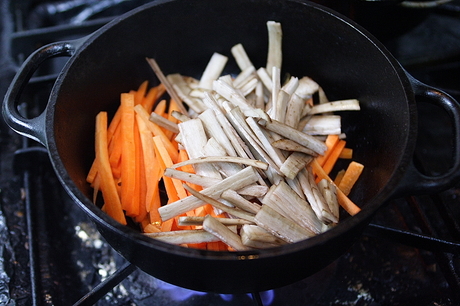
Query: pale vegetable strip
x=280, y=226
x=241, y=57
x=228, y=159
x=256, y=237
x=163, y=122
x=294, y=135
x=184, y=236
x=349, y=105
x=190, y=177
x=223, y=220
x=230, y=210
x=213, y=70
x=243, y=178
x=275, y=34
x=211, y=225
x=154, y=65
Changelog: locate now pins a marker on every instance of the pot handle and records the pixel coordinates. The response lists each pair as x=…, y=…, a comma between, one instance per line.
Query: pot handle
x=33, y=128
x=415, y=182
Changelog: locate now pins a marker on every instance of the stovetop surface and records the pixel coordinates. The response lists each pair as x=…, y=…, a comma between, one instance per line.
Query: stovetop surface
x=51, y=253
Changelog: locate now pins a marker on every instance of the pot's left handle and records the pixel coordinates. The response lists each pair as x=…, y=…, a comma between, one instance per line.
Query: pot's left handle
x=33, y=128
x=414, y=181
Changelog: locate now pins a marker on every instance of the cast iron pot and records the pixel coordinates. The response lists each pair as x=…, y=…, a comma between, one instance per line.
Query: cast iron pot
x=182, y=35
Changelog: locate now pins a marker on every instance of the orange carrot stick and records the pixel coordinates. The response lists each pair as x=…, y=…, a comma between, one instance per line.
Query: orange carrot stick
x=140, y=93
x=114, y=125
x=333, y=156
x=92, y=173
x=157, y=131
x=172, y=107
x=96, y=186
x=154, y=204
x=128, y=160
x=166, y=226
x=213, y=246
x=152, y=96
x=180, y=190
x=339, y=177
x=115, y=149
x=347, y=153
x=330, y=142
x=109, y=191
x=140, y=183
x=111, y=133
x=350, y=177
x=160, y=108
x=343, y=200
x=151, y=170
x=152, y=228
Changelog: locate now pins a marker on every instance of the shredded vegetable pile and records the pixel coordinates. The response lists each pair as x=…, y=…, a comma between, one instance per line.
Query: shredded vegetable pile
x=244, y=161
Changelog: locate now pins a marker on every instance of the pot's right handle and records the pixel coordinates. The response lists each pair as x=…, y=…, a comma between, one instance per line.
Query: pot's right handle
x=414, y=182
x=33, y=128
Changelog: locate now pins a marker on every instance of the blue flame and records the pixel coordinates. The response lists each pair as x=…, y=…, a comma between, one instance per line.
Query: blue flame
x=180, y=294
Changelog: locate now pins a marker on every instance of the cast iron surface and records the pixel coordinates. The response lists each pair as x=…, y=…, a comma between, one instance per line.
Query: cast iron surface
x=375, y=79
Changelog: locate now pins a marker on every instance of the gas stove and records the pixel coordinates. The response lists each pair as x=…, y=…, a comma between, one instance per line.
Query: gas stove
x=52, y=254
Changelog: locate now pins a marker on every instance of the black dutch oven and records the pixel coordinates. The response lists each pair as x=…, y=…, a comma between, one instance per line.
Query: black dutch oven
x=182, y=35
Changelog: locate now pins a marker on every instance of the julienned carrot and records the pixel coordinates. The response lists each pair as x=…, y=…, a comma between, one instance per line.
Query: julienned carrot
x=152, y=173
x=333, y=156
x=339, y=176
x=160, y=108
x=343, y=200
x=212, y=246
x=166, y=226
x=140, y=184
x=155, y=203
x=128, y=162
x=347, y=153
x=96, y=183
x=139, y=95
x=115, y=154
x=183, y=156
x=350, y=177
x=330, y=142
x=92, y=173
x=111, y=133
x=112, y=204
x=151, y=228
x=173, y=107
x=152, y=96
x=180, y=192
x=205, y=209
x=157, y=131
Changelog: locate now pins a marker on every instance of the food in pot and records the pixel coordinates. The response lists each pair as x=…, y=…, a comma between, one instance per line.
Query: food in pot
x=244, y=161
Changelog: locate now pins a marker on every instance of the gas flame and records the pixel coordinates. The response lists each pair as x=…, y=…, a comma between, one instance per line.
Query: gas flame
x=180, y=294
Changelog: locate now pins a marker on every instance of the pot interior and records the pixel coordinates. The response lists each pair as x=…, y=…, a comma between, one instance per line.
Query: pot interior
x=182, y=35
